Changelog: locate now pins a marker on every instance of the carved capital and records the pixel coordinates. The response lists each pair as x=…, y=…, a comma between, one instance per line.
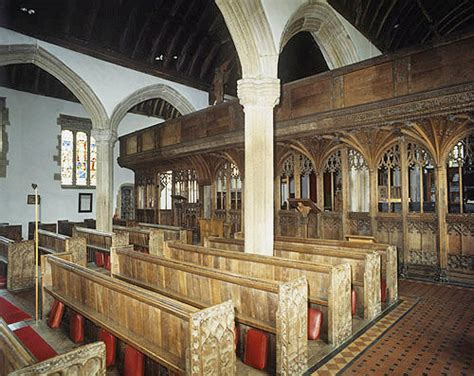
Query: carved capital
x=263, y=92
x=104, y=135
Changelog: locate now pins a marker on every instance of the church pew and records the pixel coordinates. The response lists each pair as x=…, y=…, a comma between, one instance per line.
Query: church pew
x=17, y=360
x=50, y=242
x=99, y=241
x=388, y=254
x=210, y=227
x=12, y=232
x=19, y=258
x=324, y=290
x=178, y=336
x=146, y=240
x=52, y=227
x=279, y=308
x=169, y=233
x=65, y=227
x=365, y=268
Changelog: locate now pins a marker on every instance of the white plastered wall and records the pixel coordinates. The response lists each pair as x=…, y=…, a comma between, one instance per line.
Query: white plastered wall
x=33, y=138
x=111, y=83
x=279, y=12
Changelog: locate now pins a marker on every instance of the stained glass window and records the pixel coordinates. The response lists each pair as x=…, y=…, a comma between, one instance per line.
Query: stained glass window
x=67, y=147
x=81, y=158
x=93, y=160
x=78, y=152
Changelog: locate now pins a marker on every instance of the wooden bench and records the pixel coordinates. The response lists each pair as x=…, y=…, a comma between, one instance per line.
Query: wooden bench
x=50, y=242
x=65, y=227
x=19, y=258
x=328, y=286
x=169, y=233
x=279, y=308
x=100, y=241
x=146, y=240
x=211, y=227
x=17, y=360
x=365, y=268
x=178, y=336
x=388, y=254
x=51, y=227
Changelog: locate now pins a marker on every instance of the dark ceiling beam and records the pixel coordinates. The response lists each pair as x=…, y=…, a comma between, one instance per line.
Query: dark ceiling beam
x=384, y=19
x=445, y=22
x=208, y=60
x=185, y=51
x=431, y=22
x=360, y=17
x=454, y=12
x=71, y=7
x=457, y=25
x=90, y=22
x=375, y=15
x=197, y=54
x=395, y=35
x=156, y=45
x=170, y=51
x=132, y=15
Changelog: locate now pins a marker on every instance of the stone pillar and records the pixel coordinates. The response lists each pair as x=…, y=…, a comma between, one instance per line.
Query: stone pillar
x=207, y=201
x=258, y=97
x=105, y=139
x=441, y=211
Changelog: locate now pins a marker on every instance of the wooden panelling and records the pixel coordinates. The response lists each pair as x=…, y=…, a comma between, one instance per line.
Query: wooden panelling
x=169, y=134
x=50, y=242
x=308, y=97
x=12, y=232
x=367, y=85
x=132, y=145
x=193, y=128
x=443, y=66
x=148, y=140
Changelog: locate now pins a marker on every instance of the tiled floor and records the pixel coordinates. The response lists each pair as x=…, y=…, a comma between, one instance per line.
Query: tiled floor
x=436, y=337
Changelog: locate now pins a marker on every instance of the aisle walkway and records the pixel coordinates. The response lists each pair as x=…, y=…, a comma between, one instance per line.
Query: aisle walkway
x=435, y=338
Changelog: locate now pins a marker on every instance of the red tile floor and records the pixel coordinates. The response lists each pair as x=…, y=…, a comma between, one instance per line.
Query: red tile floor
x=435, y=338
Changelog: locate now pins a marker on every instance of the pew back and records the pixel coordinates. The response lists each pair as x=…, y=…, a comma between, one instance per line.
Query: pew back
x=100, y=240
x=147, y=240
x=388, y=254
x=276, y=307
x=50, y=242
x=174, y=334
x=169, y=233
x=365, y=267
x=87, y=360
x=321, y=289
x=12, y=232
x=20, y=259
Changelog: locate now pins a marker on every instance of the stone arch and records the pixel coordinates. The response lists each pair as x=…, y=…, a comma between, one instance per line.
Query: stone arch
x=149, y=92
x=37, y=55
x=328, y=31
x=252, y=36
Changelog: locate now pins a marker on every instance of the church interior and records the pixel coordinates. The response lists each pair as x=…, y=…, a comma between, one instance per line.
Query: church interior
x=236, y=187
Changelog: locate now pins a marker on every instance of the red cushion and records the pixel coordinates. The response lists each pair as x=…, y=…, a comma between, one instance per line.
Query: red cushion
x=107, y=261
x=99, y=259
x=56, y=314
x=315, y=323
x=237, y=335
x=134, y=363
x=110, y=346
x=383, y=290
x=354, y=302
x=256, y=349
x=3, y=281
x=76, y=327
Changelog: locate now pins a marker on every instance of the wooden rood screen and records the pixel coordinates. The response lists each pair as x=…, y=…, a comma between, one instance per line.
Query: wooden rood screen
x=328, y=286
x=19, y=258
x=276, y=307
x=388, y=254
x=176, y=335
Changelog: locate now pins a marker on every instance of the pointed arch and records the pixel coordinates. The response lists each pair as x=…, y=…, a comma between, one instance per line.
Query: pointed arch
x=37, y=55
x=332, y=37
x=162, y=91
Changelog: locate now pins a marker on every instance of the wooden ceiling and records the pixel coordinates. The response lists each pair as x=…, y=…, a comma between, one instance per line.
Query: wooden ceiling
x=395, y=24
x=183, y=40
x=186, y=40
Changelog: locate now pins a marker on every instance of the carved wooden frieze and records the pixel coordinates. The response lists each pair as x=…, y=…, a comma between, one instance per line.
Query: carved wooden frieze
x=422, y=226
x=462, y=262
x=460, y=224
x=21, y=265
x=292, y=327
x=389, y=224
x=211, y=350
x=340, y=313
x=372, y=302
x=422, y=257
